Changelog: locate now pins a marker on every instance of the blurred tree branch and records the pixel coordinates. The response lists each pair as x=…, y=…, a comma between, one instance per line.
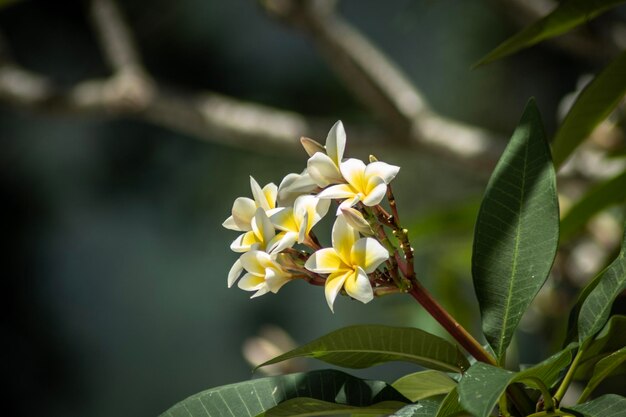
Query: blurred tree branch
x=130, y=91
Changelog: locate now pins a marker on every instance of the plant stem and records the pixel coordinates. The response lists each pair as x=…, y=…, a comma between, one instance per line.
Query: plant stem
x=551, y=414
x=560, y=393
x=458, y=332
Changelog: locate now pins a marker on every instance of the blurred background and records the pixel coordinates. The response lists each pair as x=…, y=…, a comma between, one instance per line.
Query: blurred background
x=113, y=199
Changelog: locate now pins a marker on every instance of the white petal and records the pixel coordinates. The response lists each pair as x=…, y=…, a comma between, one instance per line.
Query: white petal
x=282, y=241
x=323, y=170
x=270, y=192
x=325, y=261
x=251, y=282
x=333, y=285
x=234, y=273
x=383, y=170
x=376, y=191
x=311, y=146
x=262, y=291
x=356, y=220
x=259, y=196
x=294, y=185
x=262, y=226
x=275, y=279
x=229, y=223
x=243, y=212
x=346, y=204
x=256, y=261
x=353, y=170
x=284, y=219
x=303, y=232
x=339, y=191
x=358, y=286
x=336, y=142
x=343, y=238
x=244, y=242
x=368, y=254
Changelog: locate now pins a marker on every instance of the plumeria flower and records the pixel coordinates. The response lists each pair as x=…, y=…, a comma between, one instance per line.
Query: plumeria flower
x=324, y=167
x=348, y=262
x=296, y=222
x=293, y=186
x=262, y=236
x=263, y=273
x=366, y=183
x=244, y=208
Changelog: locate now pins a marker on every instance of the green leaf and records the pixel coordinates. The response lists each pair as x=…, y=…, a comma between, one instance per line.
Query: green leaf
x=363, y=346
x=596, y=199
x=516, y=232
x=603, y=369
x=304, y=407
x=609, y=405
x=451, y=406
x=595, y=309
x=482, y=385
x=425, y=408
x=250, y=398
x=568, y=15
x=611, y=338
x=593, y=105
x=424, y=384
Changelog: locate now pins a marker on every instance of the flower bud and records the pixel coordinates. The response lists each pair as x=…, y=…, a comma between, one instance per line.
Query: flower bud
x=311, y=146
x=356, y=220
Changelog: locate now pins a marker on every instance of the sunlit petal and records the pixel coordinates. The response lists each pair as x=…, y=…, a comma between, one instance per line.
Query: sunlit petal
x=333, y=285
x=275, y=278
x=311, y=146
x=262, y=226
x=336, y=142
x=256, y=261
x=243, y=212
x=283, y=219
x=244, y=242
x=262, y=291
x=229, y=223
x=356, y=220
x=358, y=286
x=368, y=254
x=376, y=191
x=234, y=273
x=294, y=185
x=270, y=192
x=383, y=170
x=349, y=203
x=323, y=170
x=259, y=196
x=325, y=261
x=343, y=238
x=251, y=282
x=282, y=241
x=303, y=232
x=353, y=170
x=339, y=191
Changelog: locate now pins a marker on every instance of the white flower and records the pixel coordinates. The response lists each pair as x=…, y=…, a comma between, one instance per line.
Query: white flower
x=324, y=167
x=244, y=208
x=348, y=262
x=293, y=186
x=366, y=183
x=296, y=222
x=263, y=273
x=262, y=236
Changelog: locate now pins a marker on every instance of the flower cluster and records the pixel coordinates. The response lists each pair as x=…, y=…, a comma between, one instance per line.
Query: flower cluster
x=278, y=244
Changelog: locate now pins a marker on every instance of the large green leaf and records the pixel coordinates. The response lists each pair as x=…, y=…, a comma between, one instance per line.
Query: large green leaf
x=425, y=408
x=424, y=384
x=592, y=106
x=451, y=406
x=601, y=196
x=610, y=339
x=250, y=398
x=516, y=232
x=609, y=405
x=568, y=15
x=482, y=385
x=603, y=369
x=595, y=309
x=363, y=346
x=305, y=407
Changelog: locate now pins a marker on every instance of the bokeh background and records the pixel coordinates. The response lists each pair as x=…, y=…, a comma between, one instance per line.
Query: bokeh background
x=115, y=261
